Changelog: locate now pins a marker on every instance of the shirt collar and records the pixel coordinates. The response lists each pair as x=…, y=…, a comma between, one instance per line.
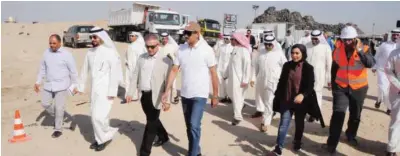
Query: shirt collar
x=58, y=50
x=154, y=56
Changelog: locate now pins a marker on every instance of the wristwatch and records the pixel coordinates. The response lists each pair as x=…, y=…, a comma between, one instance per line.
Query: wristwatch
x=214, y=97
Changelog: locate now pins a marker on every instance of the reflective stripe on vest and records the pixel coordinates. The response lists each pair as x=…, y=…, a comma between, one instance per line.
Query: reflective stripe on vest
x=351, y=72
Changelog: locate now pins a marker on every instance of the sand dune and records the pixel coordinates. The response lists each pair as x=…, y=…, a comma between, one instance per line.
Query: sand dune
x=21, y=54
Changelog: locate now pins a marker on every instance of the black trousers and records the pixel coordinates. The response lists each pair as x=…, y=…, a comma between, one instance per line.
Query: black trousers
x=153, y=127
x=343, y=98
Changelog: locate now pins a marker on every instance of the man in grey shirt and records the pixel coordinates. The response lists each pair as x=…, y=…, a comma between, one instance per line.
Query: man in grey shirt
x=58, y=67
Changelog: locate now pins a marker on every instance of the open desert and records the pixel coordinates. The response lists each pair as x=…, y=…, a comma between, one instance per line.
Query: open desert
x=22, y=47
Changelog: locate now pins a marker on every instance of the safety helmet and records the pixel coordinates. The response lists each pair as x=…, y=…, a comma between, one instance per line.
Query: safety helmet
x=348, y=32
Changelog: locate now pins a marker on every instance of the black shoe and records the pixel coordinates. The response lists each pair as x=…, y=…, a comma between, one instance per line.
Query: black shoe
x=257, y=114
x=159, y=143
x=229, y=100
x=102, y=146
x=235, y=122
x=377, y=104
x=311, y=119
x=123, y=101
x=297, y=145
x=56, y=134
x=352, y=142
x=277, y=151
x=199, y=154
x=329, y=149
x=224, y=100
x=94, y=145
x=388, y=112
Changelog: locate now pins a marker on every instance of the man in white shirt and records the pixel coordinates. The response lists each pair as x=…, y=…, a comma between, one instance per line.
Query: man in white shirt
x=319, y=55
x=103, y=64
x=150, y=77
x=223, y=55
x=266, y=72
x=196, y=61
x=381, y=59
x=58, y=66
x=288, y=42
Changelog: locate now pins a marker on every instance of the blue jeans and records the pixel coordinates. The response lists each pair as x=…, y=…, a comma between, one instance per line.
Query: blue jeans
x=286, y=116
x=193, y=109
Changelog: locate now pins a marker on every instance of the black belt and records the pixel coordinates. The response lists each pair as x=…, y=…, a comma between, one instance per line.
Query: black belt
x=146, y=91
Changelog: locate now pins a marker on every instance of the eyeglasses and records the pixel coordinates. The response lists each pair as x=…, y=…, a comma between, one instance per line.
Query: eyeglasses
x=269, y=44
x=151, y=46
x=188, y=33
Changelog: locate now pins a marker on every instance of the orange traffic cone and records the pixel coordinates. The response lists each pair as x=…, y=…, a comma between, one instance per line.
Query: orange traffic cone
x=19, y=133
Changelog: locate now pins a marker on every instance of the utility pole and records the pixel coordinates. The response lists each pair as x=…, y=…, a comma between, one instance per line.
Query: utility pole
x=373, y=30
x=255, y=7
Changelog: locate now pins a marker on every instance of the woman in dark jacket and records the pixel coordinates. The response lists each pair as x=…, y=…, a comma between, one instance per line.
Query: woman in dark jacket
x=295, y=95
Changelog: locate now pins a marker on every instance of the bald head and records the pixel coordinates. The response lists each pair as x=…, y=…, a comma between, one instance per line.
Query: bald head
x=54, y=42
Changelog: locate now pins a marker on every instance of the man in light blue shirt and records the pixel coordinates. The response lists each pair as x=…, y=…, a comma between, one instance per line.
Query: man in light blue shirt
x=58, y=67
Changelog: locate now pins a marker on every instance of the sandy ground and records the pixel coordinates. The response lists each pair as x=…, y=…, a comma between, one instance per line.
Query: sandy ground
x=21, y=54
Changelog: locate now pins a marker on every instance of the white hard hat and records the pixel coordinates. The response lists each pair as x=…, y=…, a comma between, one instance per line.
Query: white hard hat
x=348, y=32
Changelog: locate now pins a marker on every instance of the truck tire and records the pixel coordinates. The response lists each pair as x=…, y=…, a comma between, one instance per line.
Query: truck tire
x=63, y=42
x=74, y=44
x=112, y=35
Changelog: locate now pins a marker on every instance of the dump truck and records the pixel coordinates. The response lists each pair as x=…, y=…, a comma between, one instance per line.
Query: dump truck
x=210, y=29
x=144, y=18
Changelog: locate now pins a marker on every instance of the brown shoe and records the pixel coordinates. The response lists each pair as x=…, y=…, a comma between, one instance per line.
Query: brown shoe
x=263, y=128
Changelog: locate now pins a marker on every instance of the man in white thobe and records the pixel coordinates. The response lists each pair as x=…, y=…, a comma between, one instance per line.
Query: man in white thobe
x=306, y=38
x=238, y=74
x=103, y=65
x=170, y=48
x=259, y=104
x=219, y=43
x=287, y=43
x=392, y=70
x=135, y=49
x=223, y=54
x=266, y=72
x=319, y=55
x=381, y=58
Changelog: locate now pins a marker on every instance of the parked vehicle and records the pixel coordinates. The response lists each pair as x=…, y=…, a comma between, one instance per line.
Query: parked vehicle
x=144, y=18
x=77, y=36
x=210, y=29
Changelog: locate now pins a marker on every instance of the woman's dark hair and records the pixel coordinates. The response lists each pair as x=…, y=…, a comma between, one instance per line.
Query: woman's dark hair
x=302, y=49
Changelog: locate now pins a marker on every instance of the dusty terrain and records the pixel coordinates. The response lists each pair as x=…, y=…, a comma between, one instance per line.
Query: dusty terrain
x=20, y=58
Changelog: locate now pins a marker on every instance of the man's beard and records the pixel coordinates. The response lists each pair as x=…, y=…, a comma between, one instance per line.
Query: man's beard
x=95, y=45
x=349, y=48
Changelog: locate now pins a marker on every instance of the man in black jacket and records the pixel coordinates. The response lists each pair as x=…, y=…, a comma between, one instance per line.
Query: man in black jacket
x=252, y=40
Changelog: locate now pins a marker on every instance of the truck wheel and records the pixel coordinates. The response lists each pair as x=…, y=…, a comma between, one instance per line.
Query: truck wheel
x=63, y=42
x=74, y=44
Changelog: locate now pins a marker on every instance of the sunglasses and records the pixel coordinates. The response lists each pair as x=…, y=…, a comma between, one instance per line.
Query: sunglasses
x=269, y=44
x=188, y=33
x=314, y=38
x=151, y=46
x=93, y=37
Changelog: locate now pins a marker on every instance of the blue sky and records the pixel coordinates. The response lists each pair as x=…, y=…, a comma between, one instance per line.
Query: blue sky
x=383, y=14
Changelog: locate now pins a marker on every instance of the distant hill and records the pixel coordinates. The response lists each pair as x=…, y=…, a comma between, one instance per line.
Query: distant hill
x=301, y=22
